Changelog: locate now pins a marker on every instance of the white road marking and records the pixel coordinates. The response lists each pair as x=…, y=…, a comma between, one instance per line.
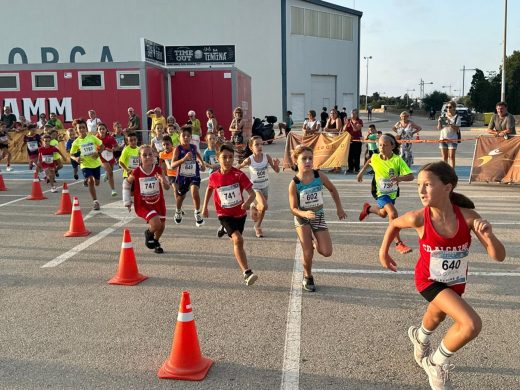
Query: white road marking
x=404, y=272
x=25, y=196
x=291, y=355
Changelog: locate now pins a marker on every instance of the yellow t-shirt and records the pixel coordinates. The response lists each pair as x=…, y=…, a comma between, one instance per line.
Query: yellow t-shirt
x=87, y=146
x=55, y=156
x=129, y=157
x=156, y=119
x=384, y=170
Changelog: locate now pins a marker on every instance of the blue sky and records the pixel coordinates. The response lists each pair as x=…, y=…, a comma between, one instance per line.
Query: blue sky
x=432, y=40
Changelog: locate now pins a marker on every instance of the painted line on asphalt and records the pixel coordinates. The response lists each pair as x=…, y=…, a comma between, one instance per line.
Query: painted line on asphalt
x=84, y=245
x=404, y=272
x=44, y=192
x=291, y=354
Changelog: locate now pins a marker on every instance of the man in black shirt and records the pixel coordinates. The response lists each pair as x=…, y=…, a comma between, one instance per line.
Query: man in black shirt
x=8, y=118
x=323, y=117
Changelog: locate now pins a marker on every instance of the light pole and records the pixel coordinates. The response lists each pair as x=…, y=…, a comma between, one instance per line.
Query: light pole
x=503, y=87
x=464, y=70
x=421, y=90
x=366, y=89
x=447, y=86
x=407, y=95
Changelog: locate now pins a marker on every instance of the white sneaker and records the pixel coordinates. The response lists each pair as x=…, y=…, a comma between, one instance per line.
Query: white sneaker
x=177, y=218
x=53, y=189
x=198, y=219
x=438, y=376
x=96, y=206
x=8, y=168
x=420, y=350
x=114, y=193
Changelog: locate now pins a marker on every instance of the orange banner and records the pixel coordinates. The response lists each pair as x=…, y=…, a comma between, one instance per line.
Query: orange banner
x=329, y=151
x=18, y=148
x=496, y=160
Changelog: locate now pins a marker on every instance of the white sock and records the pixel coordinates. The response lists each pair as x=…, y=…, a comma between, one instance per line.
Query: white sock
x=423, y=335
x=441, y=355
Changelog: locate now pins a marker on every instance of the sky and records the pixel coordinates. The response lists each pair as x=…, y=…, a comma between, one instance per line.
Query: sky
x=410, y=40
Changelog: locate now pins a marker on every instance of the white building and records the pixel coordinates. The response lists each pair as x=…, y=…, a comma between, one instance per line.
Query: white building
x=301, y=54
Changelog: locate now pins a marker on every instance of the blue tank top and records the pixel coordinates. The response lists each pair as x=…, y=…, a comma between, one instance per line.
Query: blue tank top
x=189, y=168
x=310, y=196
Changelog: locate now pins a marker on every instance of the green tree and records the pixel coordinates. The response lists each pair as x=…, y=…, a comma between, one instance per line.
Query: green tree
x=435, y=100
x=513, y=82
x=484, y=92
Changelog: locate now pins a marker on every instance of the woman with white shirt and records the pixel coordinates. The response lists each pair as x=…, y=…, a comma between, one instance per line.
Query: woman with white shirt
x=449, y=125
x=311, y=126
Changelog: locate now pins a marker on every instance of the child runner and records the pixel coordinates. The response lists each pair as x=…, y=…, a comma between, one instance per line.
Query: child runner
x=221, y=137
x=158, y=138
x=405, y=130
x=89, y=147
x=173, y=131
x=229, y=184
x=212, y=121
x=444, y=228
x=4, y=146
x=148, y=182
x=210, y=154
x=57, y=157
x=129, y=159
x=306, y=204
x=188, y=159
x=372, y=138
x=119, y=136
x=165, y=160
x=72, y=137
x=107, y=155
x=258, y=164
x=46, y=160
x=389, y=169
x=33, y=141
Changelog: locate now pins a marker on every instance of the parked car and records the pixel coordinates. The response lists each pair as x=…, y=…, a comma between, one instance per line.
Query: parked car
x=466, y=116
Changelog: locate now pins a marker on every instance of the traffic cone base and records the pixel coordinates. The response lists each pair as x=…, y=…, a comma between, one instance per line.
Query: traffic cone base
x=65, y=203
x=2, y=184
x=36, y=191
x=77, y=226
x=127, y=272
x=186, y=361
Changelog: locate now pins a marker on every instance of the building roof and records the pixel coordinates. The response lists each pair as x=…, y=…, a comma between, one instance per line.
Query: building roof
x=335, y=7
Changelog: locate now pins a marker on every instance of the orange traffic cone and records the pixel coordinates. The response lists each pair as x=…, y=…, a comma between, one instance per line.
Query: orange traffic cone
x=185, y=361
x=36, y=192
x=2, y=184
x=65, y=204
x=77, y=226
x=127, y=273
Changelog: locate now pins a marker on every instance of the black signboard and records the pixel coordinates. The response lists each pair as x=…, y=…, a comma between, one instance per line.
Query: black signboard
x=153, y=52
x=191, y=55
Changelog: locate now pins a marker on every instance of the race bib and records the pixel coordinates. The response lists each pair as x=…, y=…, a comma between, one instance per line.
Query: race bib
x=133, y=162
x=158, y=146
x=4, y=139
x=149, y=187
x=32, y=146
x=311, y=198
x=47, y=158
x=387, y=186
x=120, y=141
x=87, y=149
x=230, y=196
x=188, y=168
x=449, y=267
x=259, y=178
x=213, y=159
x=107, y=155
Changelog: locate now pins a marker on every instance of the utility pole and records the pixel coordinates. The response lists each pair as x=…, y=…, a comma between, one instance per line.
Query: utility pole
x=407, y=95
x=421, y=85
x=366, y=89
x=464, y=70
x=503, y=87
x=447, y=86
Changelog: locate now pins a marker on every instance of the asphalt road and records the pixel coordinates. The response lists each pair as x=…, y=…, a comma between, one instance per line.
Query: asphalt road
x=64, y=327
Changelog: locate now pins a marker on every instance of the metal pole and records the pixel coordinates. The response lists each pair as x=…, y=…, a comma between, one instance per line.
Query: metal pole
x=366, y=89
x=503, y=88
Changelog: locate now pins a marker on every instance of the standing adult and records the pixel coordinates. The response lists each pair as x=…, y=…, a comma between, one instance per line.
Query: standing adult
x=310, y=125
x=405, y=130
x=157, y=117
x=172, y=122
x=8, y=118
x=134, y=122
x=449, y=125
x=55, y=121
x=343, y=115
x=333, y=127
x=502, y=124
x=323, y=117
x=353, y=126
x=43, y=120
x=195, y=128
x=369, y=112
x=92, y=122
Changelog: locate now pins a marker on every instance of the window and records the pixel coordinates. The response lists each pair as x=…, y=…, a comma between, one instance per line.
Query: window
x=323, y=25
x=320, y=24
x=44, y=81
x=335, y=26
x=347, y=28
x=297, y=15
x=128, y=80
x=9, y=82
x=311, y=23
x=91, y=80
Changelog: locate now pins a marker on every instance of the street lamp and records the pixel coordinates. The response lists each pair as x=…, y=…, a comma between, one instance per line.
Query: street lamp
x=503, y=87
x=464, y=70
x=421, y=85
x=407, y=95
x=366, y=90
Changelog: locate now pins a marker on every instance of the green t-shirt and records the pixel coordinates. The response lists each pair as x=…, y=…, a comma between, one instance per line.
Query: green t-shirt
x=384, y=170
x=176, y=139
x=54, y=142
x=87, y=146
x=372, y=145
x=129, y=157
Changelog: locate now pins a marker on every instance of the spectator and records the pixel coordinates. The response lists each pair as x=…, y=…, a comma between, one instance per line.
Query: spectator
x=449, y=125
x=55, y=122
x=323, y=117
x=8, y=118
x=212, y=124
x=195, y=128
x=405, y=130
x=43, y=120
x=24, y=123
x=92, y=122
x=353, y=126
x=343, y=114
x=333, y=126
x=171, y=121
x=157, y=117
x=287, y=125
x=502, y=124
x=369, y=112
x=134, y=123
x=310, y=125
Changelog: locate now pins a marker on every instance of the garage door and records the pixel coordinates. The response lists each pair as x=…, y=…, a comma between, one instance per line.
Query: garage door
x=297, y=106
x=323, y=92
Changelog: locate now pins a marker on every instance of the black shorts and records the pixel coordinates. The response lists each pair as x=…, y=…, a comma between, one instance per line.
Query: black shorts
x=430, y=292
x=232, y=224
x=117, y=154
x=4, y=146
x=184, y=183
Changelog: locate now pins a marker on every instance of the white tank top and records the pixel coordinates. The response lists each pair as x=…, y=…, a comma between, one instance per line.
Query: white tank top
x=258, y=172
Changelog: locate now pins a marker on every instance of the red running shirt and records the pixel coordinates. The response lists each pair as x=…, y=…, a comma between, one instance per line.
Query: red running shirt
x=443, y=259
x=148, y=194
x=46, y=156
x=109, y=143
x=228, y=188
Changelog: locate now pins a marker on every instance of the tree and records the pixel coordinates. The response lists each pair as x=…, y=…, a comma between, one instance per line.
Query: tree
x=513, y=82
x=484, y=92
x=435, y=100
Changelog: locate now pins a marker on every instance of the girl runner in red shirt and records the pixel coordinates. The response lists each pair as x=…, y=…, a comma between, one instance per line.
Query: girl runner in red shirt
x=107, y=155
x=149, y=182
x=46, y=160
x=444, y=226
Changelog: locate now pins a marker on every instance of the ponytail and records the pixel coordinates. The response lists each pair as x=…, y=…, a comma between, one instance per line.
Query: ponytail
x=461, y=200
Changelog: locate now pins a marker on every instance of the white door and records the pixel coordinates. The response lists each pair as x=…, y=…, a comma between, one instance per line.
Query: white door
x=297, y=106
x=348, y=102
x=323, y=92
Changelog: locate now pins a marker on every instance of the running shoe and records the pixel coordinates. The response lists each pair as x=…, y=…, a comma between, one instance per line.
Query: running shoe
x=420, y=350
x=308, y=284
x=96, y=205
x=249, y=277
x=158, y=248
x=8, y=168
x=221, y=232
x=198, y=219
x=177, y=218
x=76, y=177
x=364, y=212
x=401, y=247
x=53, y=189
x=57, y=174
x=149, y=239
x=438, y=376
x=114, y=193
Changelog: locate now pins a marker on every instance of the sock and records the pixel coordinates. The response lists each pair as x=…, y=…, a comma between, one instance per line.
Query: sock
x=247, y=271
x=423, y=335
x=441, y=355
x=177, y=210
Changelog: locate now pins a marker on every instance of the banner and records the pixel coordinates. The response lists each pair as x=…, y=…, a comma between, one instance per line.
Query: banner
x=329, y=151
x=194, y=55
x=496, y=160
x=152, y=52
x=18, y=148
